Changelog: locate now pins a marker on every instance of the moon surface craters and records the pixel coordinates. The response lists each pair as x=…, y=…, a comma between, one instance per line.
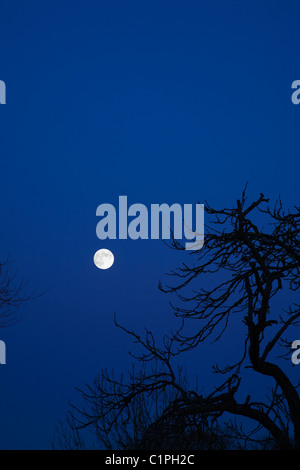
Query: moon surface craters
x=104, y=259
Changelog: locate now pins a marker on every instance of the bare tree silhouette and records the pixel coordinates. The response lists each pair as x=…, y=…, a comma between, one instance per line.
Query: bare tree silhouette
x=13, y=293
x=248, y=267
x=141, y=422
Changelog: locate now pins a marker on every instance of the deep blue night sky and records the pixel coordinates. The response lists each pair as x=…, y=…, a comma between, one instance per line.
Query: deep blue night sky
x=162, y=101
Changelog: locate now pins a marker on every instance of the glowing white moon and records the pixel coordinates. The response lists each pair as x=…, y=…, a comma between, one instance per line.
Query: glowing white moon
x=103, y=259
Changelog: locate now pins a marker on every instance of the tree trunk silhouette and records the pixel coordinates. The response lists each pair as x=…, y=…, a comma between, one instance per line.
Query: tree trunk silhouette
x=247, y=266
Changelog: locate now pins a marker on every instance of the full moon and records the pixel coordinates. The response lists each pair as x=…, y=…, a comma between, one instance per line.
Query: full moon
x=103, y=259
